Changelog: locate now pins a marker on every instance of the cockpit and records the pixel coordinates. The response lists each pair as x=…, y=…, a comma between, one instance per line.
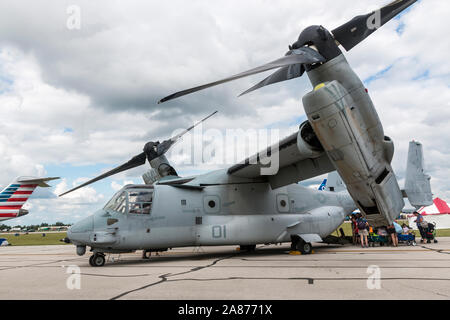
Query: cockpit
x=132, y=200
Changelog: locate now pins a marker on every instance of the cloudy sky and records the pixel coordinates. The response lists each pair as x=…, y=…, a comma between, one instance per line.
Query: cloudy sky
x=79, y=96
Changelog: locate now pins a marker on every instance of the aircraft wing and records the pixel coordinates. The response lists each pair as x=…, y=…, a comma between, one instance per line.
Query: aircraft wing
x=294, y=164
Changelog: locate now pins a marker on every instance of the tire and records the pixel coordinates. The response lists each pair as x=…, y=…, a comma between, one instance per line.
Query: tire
x=249, y=248
x=91, y=262
x=304, y=247
x=97, y=260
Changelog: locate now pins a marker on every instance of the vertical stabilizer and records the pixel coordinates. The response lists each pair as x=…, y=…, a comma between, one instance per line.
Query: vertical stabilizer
x=335, y=183
x=417, y=184
x=14, y=196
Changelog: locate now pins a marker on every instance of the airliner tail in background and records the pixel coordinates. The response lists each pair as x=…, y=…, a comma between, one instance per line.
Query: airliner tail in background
x=323, y=185
x=14, y=196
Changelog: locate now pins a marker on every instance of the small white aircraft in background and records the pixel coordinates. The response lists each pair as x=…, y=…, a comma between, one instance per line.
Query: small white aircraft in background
x=14, y=196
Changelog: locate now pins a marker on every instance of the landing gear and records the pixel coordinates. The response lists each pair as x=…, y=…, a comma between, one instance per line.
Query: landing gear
x=304, y=247
x=144, y=254
x=298, y=244
x=249, y=248
x=97, y=260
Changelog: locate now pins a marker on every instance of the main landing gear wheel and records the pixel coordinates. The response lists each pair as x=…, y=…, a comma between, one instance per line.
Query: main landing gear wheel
x=97, y=260
x=249, y=248
x=298, y=244
x=145, y=256
x=304, y=247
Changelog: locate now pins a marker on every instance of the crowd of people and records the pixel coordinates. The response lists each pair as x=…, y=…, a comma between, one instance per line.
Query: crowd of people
x=361, y=230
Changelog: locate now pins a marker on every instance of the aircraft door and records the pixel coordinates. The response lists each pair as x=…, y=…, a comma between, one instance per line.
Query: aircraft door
x=138, y=216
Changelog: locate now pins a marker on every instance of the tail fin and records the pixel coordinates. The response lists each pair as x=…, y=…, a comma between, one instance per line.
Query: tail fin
x=417, y=184
x=335, y=183
x=14, y=196
x=323, y=185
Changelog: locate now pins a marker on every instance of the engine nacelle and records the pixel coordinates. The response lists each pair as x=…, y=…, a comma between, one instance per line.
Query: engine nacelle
x=389, y=149
x=160, y=169
x=352, y=137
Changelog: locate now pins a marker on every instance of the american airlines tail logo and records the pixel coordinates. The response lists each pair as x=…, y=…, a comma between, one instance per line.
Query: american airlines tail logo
x=13, y=197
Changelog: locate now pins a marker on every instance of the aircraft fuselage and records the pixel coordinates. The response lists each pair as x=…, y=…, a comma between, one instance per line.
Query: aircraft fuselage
x=236, y=214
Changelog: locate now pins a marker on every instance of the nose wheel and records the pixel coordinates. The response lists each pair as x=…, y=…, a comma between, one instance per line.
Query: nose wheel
x=97, y=260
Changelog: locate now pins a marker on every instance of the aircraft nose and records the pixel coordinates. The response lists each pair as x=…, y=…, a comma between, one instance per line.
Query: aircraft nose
x=81, y=231
x=85, y=225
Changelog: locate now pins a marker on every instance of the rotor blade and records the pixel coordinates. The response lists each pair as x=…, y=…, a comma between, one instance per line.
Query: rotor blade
x=135, y=162
x=163, y=147
x=303, y=55
x=285, y=73
x=359, y=28
x=192, y=127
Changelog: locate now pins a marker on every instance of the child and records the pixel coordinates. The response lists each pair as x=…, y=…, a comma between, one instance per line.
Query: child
x=406, y=230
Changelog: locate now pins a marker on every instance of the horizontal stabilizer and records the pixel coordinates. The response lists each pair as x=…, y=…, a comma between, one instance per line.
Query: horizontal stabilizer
x=41, y=182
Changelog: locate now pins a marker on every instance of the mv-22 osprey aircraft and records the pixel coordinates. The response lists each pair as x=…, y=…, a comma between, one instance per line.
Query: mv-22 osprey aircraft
x=242, y=206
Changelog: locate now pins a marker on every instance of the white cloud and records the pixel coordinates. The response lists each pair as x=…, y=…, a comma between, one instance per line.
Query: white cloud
x=83, y=196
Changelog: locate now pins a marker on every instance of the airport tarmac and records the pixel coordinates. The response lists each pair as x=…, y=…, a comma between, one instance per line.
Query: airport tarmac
x=210, y=273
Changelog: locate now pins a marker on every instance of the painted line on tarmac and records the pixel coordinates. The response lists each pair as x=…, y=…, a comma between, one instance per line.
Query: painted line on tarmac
x=311, y=281
x=375, y=251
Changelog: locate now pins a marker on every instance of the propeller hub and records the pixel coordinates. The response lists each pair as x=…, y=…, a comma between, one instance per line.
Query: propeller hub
x=151, y=150
x=322, y=39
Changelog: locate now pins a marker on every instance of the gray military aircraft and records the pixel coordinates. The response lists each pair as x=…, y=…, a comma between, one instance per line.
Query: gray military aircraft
x=242, y=205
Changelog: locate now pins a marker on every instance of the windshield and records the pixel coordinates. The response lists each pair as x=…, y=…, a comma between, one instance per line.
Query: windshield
x=118, y=203
x=131, y=201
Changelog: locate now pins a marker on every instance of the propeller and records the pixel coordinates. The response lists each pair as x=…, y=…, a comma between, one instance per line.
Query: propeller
x=152, y=150
x=285, y=73
x=315, y=46
x=295, y=56
x=359, y=28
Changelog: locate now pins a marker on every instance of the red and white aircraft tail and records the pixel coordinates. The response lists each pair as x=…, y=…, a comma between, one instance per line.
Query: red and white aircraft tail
x=438, y=213
x=14, y=196
x=438, y=207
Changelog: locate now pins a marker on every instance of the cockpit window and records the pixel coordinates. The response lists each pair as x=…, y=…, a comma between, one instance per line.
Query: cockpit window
x=118, y=203
x=140, y=202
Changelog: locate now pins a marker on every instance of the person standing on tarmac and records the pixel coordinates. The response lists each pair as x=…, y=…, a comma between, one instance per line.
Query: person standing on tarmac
x=393, y=235
x=419, y=221
x=362, y=225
